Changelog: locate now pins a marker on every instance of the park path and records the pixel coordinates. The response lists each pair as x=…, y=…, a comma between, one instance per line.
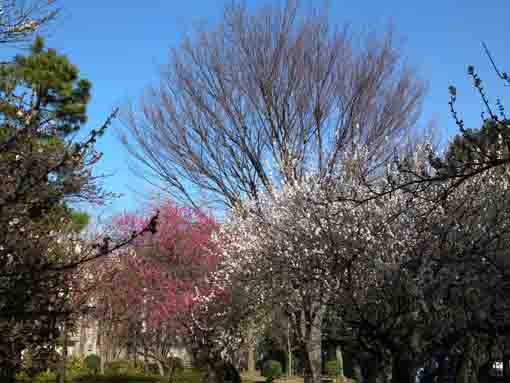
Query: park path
x=257, y=379
x=292, y=379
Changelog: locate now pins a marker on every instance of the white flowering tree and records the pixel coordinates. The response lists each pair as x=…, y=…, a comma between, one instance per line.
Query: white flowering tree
x=303, y=245
x=444, y=298
x=410, y=279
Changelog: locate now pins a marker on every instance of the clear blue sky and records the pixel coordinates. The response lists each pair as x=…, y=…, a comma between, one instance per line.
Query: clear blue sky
x=119, y=45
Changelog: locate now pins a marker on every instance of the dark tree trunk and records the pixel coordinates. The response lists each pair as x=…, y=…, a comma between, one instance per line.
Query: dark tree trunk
x=220, y=372
x=403, y=370
x=231, y=373
x=484, y=372
x=313, y=359
x=210, y=375
x=473, y=377
x=10, y=362
x=7, y=373
x=506, y=367
x=348, y=364
x=374, y=370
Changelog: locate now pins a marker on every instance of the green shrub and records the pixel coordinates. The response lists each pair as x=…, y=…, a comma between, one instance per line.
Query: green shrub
x=92, y=362
x=47, y=376
x=23, y=377
x=76, y=367
x=27, y=364
x=332, y=368
x=188, y=375
x=76, y=362
x=123, y=366
x=42, y=377
x=118, y=367
x=33, y=364
x=119, y=378
x=271, y=370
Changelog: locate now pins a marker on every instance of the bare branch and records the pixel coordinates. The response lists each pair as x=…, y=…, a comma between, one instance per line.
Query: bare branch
x=264, y=98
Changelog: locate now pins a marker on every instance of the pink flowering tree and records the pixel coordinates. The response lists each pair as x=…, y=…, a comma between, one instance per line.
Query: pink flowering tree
x=161, y=292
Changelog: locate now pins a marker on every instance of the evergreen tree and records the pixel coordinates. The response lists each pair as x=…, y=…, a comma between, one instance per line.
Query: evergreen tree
x=43, y=101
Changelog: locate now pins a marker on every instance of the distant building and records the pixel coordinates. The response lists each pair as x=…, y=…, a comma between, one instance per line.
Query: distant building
x=86, y=340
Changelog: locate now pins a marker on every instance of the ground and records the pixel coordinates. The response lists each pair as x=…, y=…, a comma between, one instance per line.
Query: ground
x=293, y=379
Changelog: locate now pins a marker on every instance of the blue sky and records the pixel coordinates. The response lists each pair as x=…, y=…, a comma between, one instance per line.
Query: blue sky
x=119, y=46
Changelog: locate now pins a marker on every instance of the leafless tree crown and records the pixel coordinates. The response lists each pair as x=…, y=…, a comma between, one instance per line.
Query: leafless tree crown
x=20, y=20
x=265, y=97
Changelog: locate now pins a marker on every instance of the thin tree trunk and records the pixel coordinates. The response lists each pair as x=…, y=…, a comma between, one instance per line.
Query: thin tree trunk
x=251, y=360
x=473, y=377
x=313, y=347
x=506, y=367
x=160, y=368
x=463, y=372
x=477, y=361
x=61, y=369
x=289, y=353
x=251, y=352
x=102, y=346
x=386, y=371
x=339, y=361
x=464, y=367
x=83, y=323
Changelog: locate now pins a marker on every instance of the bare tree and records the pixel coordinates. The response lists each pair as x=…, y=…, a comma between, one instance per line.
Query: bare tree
x=21, y=19
x=265, y=97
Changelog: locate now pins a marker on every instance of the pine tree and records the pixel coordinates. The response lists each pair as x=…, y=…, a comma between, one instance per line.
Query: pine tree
x=43, y=103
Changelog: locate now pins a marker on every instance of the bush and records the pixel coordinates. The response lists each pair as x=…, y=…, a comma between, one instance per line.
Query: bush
x=22, y=377
x=34, y=363
x=42, y=377
x=118, y=367
x=123, y=366
x=332, y=368
x=271, y=370
x=92, y=362
x=119, y=378
x=76, y=367
x=188, y=375
x=76, y=362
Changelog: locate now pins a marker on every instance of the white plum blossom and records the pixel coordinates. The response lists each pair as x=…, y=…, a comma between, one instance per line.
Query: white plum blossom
x=303, y=244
